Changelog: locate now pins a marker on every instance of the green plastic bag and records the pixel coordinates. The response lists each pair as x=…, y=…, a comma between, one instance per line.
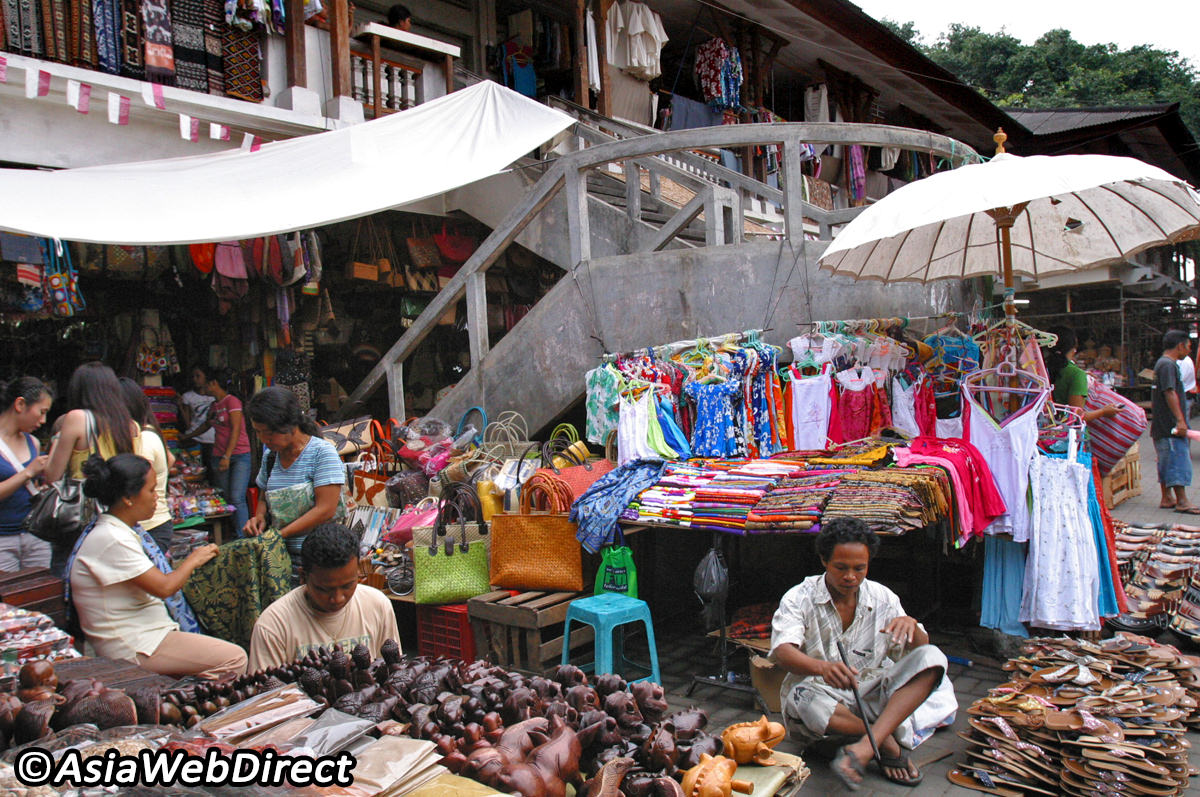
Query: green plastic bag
x=617, y=572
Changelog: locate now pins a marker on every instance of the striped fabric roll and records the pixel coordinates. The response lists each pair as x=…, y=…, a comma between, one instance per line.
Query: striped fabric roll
x=1112, y=437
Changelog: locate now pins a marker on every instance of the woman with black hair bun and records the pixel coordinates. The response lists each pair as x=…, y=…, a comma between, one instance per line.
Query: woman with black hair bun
x=154, y=448
x=24, y=402
x=1069, y=380
x=127, y=604
x=301, y=474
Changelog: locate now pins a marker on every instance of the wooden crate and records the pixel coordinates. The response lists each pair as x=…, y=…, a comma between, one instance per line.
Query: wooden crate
x=524, y=631
x=1124, y=481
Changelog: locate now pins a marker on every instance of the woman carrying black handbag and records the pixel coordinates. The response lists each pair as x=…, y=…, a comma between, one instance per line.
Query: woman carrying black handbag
x=98, y=421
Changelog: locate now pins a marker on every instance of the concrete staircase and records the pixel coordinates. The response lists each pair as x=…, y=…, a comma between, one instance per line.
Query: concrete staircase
x=641, y=270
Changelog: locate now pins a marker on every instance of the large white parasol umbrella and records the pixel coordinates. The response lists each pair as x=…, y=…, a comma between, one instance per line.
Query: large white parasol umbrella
x=1037, y=215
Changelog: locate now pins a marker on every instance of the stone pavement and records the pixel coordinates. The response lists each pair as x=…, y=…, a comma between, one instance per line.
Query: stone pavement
x=684, y=651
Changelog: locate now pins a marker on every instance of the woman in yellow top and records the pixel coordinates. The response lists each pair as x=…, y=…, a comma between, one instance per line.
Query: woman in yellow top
x=151, y=445
x=97, y=403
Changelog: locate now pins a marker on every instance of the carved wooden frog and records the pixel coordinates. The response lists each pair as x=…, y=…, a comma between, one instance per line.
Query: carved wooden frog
x=713, y=777
x=751, y=742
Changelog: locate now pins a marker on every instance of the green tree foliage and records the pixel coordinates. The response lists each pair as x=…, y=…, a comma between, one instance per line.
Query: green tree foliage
x=1058, y=72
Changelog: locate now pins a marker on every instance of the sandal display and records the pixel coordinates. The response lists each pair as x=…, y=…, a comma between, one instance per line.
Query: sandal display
x=1085, y=718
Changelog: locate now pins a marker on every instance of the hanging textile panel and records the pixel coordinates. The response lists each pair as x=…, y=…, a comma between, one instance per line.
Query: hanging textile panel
x=243, y=68
x=81, y=42
x=106, y=18
x=23, y=27
x=132, y=63
x=187, y=37
x=159, y=57
x=54, y=29
x=214, y=60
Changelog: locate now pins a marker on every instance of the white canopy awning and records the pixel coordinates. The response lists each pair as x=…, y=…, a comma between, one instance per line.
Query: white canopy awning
x=286, y=185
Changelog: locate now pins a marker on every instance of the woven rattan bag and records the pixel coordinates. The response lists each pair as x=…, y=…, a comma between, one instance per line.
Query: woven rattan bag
x=537, y=550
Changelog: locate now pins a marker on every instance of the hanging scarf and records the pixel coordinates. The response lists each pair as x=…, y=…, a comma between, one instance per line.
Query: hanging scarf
x=597, y=510
x=177, y=605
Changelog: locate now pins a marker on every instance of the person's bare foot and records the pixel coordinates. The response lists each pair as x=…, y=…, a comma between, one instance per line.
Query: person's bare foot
x=896, y=765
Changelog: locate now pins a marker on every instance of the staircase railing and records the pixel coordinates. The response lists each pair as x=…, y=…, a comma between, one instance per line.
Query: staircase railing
x=569, y=173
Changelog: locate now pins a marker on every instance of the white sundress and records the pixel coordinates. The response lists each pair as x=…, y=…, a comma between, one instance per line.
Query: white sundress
x=1062, y=576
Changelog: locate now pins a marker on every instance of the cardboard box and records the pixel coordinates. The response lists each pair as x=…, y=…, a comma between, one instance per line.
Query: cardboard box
x=767, y=678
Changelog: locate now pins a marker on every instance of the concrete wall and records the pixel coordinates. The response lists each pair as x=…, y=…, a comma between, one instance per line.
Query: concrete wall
x=633, y=301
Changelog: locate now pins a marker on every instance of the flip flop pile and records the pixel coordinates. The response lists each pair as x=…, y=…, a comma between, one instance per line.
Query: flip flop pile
x=1085, y=718
x=1160, y=568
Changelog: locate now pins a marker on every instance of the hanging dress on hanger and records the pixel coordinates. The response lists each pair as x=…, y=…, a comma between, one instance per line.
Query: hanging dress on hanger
x=810, y=411
x=856, y=388
x=633, y=429
x=904, y=408
x=1062, y=585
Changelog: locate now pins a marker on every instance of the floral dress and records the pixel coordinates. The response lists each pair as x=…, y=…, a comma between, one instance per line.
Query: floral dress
x=715, y=433
x=603, y=410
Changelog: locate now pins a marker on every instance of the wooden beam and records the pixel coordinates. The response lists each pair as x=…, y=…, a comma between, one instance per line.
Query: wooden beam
x=578, y=221
x=449, y=66
x=676, y=223
x=297, y=66
x=376, y=80
x=604, y=98
x=633, y=190
x=339, y=47
x=581, y=69
x=477, y=319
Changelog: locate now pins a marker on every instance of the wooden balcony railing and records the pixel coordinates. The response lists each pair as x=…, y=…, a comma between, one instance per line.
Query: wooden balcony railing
x=385, y=86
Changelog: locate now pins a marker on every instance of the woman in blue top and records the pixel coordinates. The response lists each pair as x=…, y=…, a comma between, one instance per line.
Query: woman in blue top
x=301, y=476
x=24, y=402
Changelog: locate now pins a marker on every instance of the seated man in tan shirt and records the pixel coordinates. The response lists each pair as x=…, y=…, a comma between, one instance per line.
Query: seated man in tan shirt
x=329, y=607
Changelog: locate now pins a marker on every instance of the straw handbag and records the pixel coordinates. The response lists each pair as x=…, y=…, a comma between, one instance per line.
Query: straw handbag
x=506, y=436
x=452, y=568
x=469, y=514
x=538, y=550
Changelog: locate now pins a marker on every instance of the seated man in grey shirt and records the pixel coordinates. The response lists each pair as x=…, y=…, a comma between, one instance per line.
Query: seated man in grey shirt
x=890, y=658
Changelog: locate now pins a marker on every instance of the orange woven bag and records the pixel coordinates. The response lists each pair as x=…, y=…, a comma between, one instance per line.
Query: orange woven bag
x=537, y=549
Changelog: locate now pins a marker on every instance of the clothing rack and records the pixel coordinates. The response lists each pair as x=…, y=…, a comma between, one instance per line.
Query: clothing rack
x=859, y=323
x=680, y=345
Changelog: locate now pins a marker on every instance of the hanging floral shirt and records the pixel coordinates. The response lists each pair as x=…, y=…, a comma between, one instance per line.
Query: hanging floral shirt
x=715, y=434
x=602, y=403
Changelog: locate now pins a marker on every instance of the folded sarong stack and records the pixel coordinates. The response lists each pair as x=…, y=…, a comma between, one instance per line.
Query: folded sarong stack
x=892, y=501
x=1083, y=718
x=796, y=504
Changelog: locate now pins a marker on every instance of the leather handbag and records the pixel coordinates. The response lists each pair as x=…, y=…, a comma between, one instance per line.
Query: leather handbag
x=561, y=460
x=452, y=568
x=349, y=437
x=422, y=513
x=423, y=252
x=406, y=488
x=537, y=550
x=454, y=245
x=60, y=511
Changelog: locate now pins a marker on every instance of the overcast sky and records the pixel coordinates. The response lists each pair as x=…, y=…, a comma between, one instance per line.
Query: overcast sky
x=1165, y=24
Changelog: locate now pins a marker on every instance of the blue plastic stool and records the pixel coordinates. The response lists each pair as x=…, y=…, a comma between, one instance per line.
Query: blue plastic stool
x=606, y=613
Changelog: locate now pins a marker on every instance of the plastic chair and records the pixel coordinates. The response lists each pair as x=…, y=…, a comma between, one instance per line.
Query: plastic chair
x=606, y=613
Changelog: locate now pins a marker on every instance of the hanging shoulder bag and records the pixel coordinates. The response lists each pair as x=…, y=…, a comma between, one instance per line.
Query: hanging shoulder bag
x=617, y=572
x=60, y=511
x=537, y=550
x=452, y=568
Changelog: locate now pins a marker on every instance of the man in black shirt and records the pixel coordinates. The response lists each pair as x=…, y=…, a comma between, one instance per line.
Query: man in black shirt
x=1168, y=426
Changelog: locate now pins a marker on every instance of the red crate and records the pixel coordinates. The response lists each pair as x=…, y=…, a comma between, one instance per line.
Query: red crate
x=445, y=631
